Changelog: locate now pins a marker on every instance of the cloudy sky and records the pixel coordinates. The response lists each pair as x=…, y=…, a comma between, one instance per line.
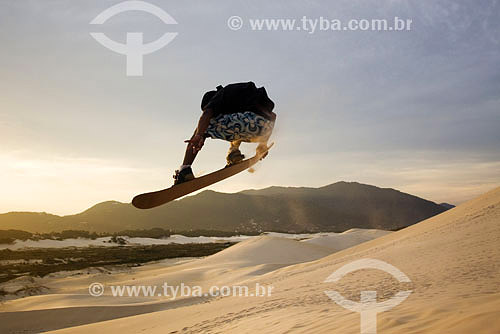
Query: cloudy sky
x=414, y=110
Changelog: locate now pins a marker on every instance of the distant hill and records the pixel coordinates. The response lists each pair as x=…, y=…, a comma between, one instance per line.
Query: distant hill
x=336, y=207
x=28, y=221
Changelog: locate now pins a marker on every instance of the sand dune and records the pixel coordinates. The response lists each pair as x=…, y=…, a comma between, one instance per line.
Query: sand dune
x=252, y=257
x=452, y=260
x=350, y=238
x=365, y=234
x=268, y=250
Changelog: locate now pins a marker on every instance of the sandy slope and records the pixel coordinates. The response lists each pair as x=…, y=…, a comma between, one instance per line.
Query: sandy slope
x=67, y=302
x=453, y=261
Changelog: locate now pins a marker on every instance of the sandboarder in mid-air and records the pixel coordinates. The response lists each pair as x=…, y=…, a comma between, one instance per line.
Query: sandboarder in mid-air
x=237, y=113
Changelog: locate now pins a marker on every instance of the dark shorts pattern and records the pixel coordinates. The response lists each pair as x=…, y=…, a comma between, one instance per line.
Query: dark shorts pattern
x=246, y=126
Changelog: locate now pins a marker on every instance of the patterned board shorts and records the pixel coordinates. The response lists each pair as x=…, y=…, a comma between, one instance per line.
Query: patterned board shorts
x=246, y=126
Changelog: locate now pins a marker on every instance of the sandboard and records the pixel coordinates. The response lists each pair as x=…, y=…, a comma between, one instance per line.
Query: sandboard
x=156, y=198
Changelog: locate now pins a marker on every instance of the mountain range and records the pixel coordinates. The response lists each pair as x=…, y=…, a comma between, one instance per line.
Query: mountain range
x=335, y=207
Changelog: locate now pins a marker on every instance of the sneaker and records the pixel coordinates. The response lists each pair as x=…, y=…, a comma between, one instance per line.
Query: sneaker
x=234, y=157
x=183, y=176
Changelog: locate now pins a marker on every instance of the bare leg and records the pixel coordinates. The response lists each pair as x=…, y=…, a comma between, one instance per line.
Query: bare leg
x=234, y=155
x=190, y=154
x=235, y=145
x=203, y=124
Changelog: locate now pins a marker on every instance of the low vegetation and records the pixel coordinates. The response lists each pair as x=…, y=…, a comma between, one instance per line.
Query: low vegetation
x=9, y=236
x=40, y=262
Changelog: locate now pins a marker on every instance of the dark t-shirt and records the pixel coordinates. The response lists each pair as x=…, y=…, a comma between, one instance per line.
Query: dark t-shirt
x=241, y=97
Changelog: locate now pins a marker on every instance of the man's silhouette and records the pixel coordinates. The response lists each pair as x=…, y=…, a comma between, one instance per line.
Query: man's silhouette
x=237, y=113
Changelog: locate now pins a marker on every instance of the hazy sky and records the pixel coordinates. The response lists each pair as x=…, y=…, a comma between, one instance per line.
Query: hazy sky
x=415, y=110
